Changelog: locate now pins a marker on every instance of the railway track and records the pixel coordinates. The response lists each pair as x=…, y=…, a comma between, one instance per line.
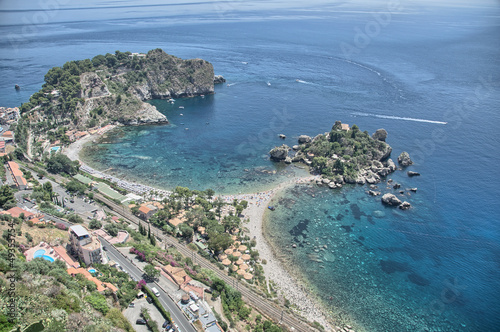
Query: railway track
x=262, y=304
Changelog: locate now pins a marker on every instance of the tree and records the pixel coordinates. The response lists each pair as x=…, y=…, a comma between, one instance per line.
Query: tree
x=7, y=199
x=95, y=224
x=187, y=231
x=151, y=272
x=60, y=163
x=112, y=229
x=210, y=193
x=76, y=186
x=75, y=219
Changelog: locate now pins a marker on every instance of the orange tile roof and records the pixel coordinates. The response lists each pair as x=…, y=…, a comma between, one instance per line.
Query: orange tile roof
x=100, y=285
x=7, y=133
x=144, y=209
x=67, y=259
x=16, y=212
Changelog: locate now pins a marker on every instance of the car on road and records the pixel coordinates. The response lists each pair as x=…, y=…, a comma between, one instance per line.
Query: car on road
x=155, y=291
x=140, y=322
x=104, y=248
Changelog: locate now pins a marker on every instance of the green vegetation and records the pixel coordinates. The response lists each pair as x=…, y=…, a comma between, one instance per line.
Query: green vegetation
x=60, y=164
x=7, y=199
x=344, y=152
x=109, y=80
x=47, y=295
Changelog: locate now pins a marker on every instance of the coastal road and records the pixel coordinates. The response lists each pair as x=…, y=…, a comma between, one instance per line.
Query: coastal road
x=262, y=304
x=175, y=312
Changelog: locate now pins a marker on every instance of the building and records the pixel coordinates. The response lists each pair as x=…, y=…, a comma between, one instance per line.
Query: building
x=8, y=137
x=16, y=212
x=17, y=175
x=146, y=211
x=2, y=146
x=84, y=245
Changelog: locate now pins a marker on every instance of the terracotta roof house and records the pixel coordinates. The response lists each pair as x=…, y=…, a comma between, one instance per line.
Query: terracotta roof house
x=145, y=211
x=17, y=211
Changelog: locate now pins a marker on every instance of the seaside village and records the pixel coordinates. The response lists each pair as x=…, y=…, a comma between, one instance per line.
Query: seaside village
x=60, y=221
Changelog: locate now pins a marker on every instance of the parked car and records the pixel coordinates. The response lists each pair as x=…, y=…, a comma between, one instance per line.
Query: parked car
x=132, y=305
x=149, y=299
x=140, y=322
x=166, y=325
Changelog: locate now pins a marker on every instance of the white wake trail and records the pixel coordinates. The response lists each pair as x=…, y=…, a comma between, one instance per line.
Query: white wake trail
x=392, y=117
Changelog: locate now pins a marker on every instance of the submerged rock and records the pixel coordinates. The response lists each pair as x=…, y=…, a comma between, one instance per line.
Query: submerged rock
x=411, y=173
x=282, y=136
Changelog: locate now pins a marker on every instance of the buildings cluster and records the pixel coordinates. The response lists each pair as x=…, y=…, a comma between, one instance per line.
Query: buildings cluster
x=8, y=115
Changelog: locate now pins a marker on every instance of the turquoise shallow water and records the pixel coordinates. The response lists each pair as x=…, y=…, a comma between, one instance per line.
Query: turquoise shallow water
x=435, y=267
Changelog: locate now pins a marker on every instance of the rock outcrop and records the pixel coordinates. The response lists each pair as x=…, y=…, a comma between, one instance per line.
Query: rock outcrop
x=380, y=135
x=405, y=205
x=411, y=173
x=390, y=199
x=404, y=159
x=219, y=79
x=279, y=153
x=304, y=139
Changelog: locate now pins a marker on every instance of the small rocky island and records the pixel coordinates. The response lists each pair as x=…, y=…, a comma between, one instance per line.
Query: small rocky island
x=347, y=155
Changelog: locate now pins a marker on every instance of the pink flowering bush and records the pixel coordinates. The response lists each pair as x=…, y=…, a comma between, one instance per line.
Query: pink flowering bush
x=140, y=284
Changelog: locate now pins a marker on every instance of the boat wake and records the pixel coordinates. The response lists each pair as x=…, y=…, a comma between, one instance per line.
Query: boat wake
x=303, y=82
x=392, y=117
x=231, y=84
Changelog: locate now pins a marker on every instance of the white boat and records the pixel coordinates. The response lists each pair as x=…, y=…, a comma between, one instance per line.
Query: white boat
x=171, y=100
x=181, y=114
x=181, y=107
x=268, y=83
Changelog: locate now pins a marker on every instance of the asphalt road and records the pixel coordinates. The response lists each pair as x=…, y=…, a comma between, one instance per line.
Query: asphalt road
x=175, y=312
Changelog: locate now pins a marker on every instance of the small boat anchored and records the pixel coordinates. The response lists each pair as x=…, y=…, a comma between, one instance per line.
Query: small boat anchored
x=272, y=208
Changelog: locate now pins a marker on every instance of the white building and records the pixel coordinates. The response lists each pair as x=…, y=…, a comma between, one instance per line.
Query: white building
x=84, y=245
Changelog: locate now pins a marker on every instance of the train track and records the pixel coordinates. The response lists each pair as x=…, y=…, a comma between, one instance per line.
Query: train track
x=262, y=304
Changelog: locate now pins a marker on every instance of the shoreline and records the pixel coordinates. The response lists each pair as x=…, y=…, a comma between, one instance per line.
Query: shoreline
x=288, y=285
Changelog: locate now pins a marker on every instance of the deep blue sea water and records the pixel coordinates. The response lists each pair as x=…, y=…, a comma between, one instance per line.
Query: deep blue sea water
x=435, y=267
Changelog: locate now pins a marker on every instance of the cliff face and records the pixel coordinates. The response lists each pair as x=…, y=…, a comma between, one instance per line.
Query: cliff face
x=118, y=93
x=109, y=88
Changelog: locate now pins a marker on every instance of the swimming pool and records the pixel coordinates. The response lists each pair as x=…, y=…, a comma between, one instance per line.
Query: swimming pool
x=41, y=253
x=92, y=271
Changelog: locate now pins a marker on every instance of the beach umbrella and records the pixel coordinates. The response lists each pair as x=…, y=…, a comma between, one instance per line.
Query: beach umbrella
x=222, y=257
x=226, y=262
x=228, y=251
x=240, y=272
x=239, y=261
x=242, y=248
x=248, y=276
x=246, y=257
x=244, y=267
x=236, y=254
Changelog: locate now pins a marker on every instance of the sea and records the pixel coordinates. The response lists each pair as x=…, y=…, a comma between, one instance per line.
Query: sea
x=426, y=71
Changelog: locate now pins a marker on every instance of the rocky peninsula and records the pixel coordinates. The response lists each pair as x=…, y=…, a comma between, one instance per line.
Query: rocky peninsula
x=110, y=89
